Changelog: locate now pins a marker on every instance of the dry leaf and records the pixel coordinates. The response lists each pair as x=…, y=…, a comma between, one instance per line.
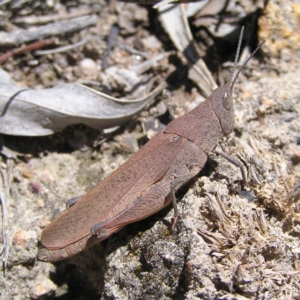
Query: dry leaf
x=31, y=112
x=174, y=20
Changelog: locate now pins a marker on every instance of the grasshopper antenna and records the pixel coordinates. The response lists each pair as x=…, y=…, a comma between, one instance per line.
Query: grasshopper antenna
x=232, y=76
x=237, y=54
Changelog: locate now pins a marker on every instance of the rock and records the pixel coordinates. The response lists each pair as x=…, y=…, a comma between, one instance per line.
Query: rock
x=89, y=68
x=44, y=289
x=279, y=27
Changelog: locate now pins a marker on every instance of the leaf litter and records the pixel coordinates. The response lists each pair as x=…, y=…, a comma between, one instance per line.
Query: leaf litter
x=42, y=112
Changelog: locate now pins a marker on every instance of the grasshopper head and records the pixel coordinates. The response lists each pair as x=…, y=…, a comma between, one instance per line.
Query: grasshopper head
x=221, y=99
x=222, y=105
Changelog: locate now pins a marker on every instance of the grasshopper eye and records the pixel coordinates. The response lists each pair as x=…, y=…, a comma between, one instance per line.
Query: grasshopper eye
x=227, y=100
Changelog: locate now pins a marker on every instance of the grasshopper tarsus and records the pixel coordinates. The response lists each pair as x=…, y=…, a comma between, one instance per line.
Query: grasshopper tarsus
x=72, y=201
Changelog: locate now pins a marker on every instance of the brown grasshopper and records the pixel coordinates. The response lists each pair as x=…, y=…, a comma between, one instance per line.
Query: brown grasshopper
x=148, y=181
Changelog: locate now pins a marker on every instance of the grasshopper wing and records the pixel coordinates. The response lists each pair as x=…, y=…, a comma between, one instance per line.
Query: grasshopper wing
x=111, y=196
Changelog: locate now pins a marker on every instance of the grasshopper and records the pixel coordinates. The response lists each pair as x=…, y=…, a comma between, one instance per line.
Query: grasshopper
x=148, y=181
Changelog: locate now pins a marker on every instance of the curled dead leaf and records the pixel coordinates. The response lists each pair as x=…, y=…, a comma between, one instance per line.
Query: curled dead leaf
x=28, y=112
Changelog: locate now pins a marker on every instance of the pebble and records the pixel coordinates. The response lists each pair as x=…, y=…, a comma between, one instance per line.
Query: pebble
x=43, y=288
x=88, y=67
x=22, y=237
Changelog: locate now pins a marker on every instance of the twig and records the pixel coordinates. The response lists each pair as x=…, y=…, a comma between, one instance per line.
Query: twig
x=131, y=50
x=39, y=20
x=147, y=64
x=61, y=49
x=4, y=250
x=21, y=36
x=26, y=48
x=111, y=42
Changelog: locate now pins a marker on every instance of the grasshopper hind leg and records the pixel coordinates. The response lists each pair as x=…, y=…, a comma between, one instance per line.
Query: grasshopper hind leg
x=150, y=201
x=187, y=163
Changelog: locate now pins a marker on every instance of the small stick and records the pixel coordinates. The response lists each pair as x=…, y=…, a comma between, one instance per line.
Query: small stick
x=26, y=48
x=39, y=20
x=61, y=49
x=5, y=248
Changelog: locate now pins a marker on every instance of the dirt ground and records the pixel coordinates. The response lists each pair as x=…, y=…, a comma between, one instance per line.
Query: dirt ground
x=234, y=240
